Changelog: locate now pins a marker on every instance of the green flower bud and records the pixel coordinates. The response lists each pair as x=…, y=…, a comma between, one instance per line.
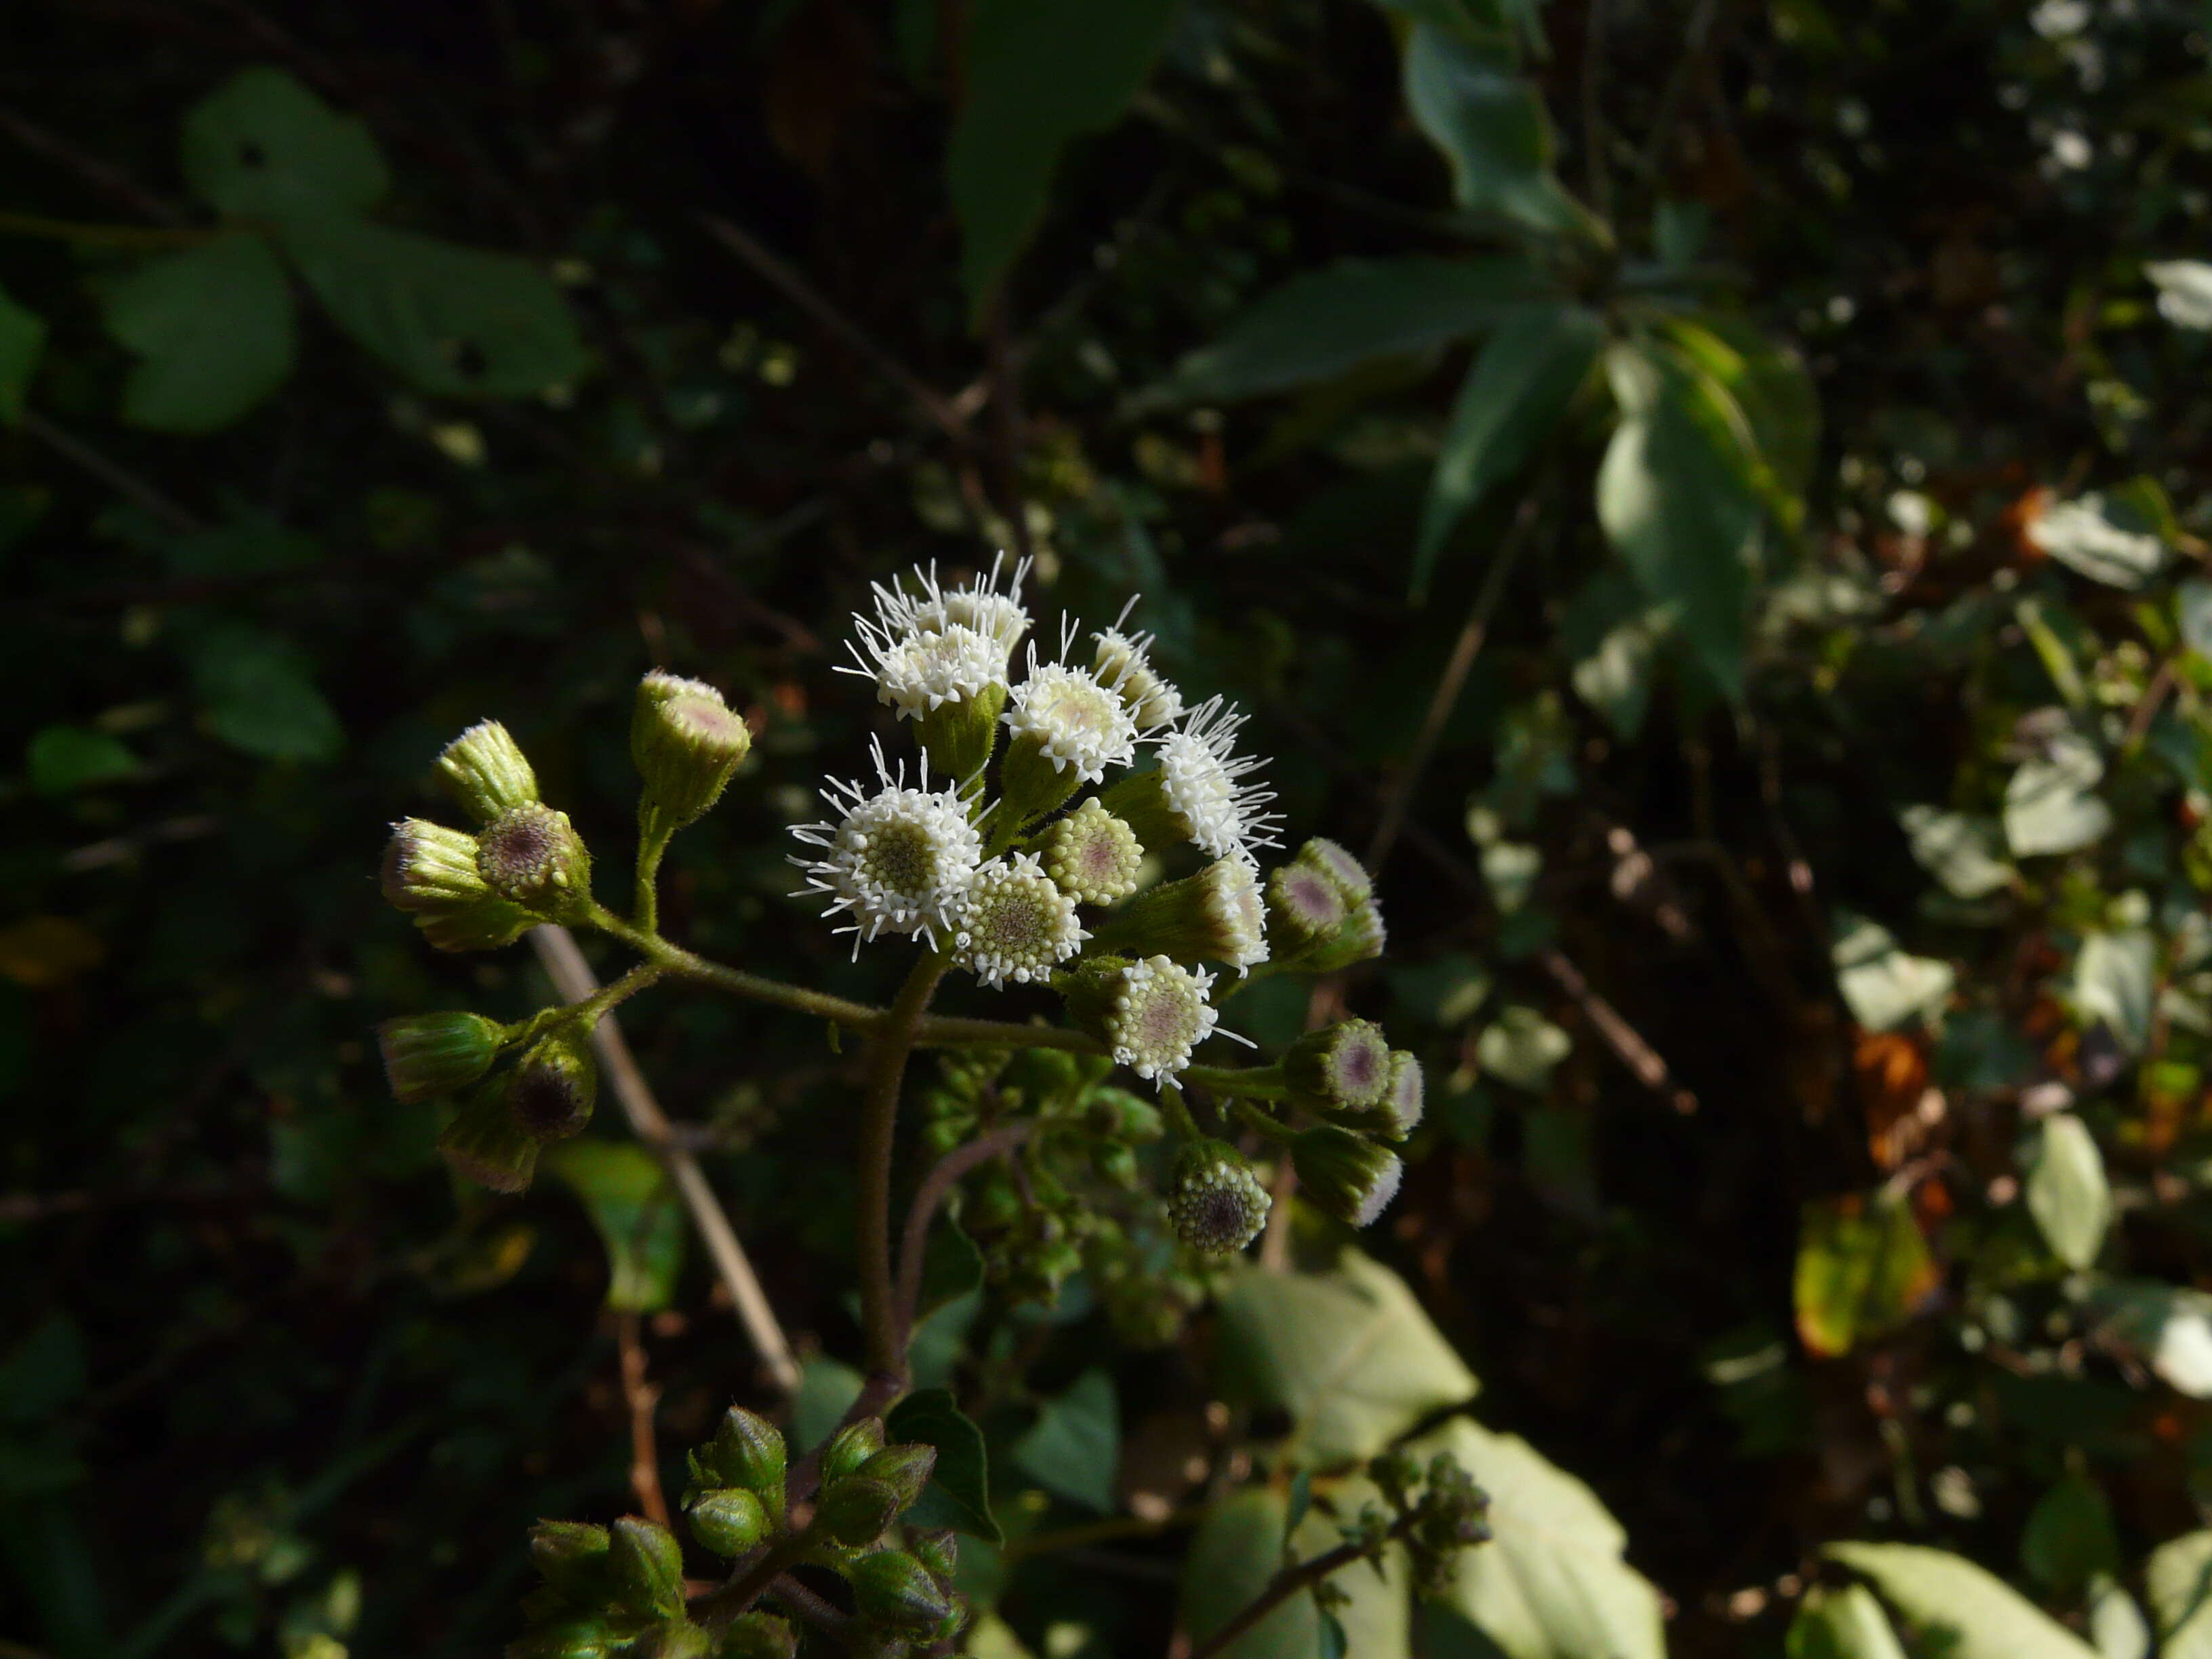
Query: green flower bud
x=486, y=772
x=483, y=1144
x=1346, y=1174
x=891, y=1587
x=937, y=1548
x=688, y=746
x=572, y=1638
x=1344, y=1065
x=748, y=1451
x=487, y=925
x=758, y=1635
x=647, y=1567
x=1214, y=1200
x=572, y=1556
x=427, y=1055
x=1305, y=908
x=532, y=855
x=854, y=1510
x=1361, y=938
x=1340, y=866
x=905, y=1469
x=852, y=1446
x=552, y=1092
x=1092, y=856
x=427, y=866
x=674, y=1638
x=1216, y=916
x=1407, y=1099
x=728, y=1521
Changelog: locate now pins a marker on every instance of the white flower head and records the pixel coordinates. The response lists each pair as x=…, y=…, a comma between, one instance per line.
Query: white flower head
x=1235, y=913
x=916, y=672
x=976, y=604
x=1074, y=720
x=898, y=860
x=1202, y=779
x=1124, y=662
x=1159, y=1014
x=1014, y=923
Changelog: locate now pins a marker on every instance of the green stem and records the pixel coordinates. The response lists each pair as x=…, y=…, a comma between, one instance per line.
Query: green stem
x=940, y=1031
x=652, y=844
x=588, y=1011
x=1248, y=1083
x=1178, y=1115
x=1252, y=1117
x=675, y=959
x=888, y=1048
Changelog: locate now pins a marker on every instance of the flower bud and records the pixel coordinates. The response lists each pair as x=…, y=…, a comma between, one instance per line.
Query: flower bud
x=728, y=1521
x=1305, y=908
x=937, y=1548
x=483, y=1144
x=688, y=744
x=852, y=1446
x=1350, y=875
x=572, y=1556
x=532, y=855
x=427, y=1055
x=758, y=1635
x=672, y=1638
x=1403, y=1106
x=486, y=772
x=748, y=1451
x=1361, y=938
x=1150, y=1014
x=647, y=1566
x=891, y=1587
x=1344, y=1065
x=1215, y=916
x=552, y=1092
x=1214, y=1200
x=572, y=1638
x=1013, y=923
x=1092, y=856
x=905, y=1469
x=487, y=925
x=854, y=1510
x=1124, y=662
x=1346, y=1174
x=427, y=866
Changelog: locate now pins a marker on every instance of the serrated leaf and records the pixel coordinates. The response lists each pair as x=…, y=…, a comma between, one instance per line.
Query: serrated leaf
x=1515, y=390
x=2178, y=1579
x=22, y=337
x=212, y=328
x=2066, y=1189
x=2069, y=1538
x=1326, y=321
x=264, y=146
x=1551, y=1583
x=1963, y=851
x=1974, y=1613
x=1349, y=1353
x=63, y=758
x=2116, y=980
x=640, y=1219
x=1239, y=1548
x=1841, y=1622
x=1883, y=986
x=2170, y=1327
x=455, y=321
x=2050, y=803
x=1863, y=1269
x=1488, y=119
x=959, y=1491
x=1037, y=76
x=1075, y=1445
x=258, y=697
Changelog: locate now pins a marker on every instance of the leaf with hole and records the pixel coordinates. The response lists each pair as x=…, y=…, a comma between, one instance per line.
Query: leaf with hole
x=212, y=329
x=640, y=1219
x=263, y=146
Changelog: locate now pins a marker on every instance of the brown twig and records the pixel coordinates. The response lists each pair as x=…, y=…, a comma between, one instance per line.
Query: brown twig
x=573, y=979
x=943, y=1177
x=118, y=849
x=642, y=1398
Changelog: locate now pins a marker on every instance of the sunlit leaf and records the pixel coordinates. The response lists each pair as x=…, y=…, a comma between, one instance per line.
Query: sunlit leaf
x=2170, y=1327
x=1862, y=1270
x=1963, y=851
x=1614, y=630
x=1072, y=1449
x=1521, y=1048
x=2116, y=980
x=2066, y=1190
x=2098, y=539
x=2051, y=805
x=629, y=1196
x=1883, y=986
x=1842, y=1622
x=2185, y=291
x=2178, y=1578
x=1239, y=1548
x=1969, y=1613
x=212, y=328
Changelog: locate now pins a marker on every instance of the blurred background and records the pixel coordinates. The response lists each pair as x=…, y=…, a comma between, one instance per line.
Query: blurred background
x=1706, y=494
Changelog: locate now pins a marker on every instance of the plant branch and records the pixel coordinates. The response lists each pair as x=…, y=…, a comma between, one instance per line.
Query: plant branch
x=1288, y=1583
x=810, y=1606
x=675, y=959
x=943, y=1177
x=573, y=979
x=642, y=1398
x=888, y=1048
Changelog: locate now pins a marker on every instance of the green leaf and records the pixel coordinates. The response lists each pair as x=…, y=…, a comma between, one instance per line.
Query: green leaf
x=1770, y=383
x=1237, y=1550
x=455, y=321
x=2050, y=803
x=2116, y=1625
x=1971, y=1614
x=959, y=1491
x=2066, y=1190
x=2193, y=611
x=1520, y=1048
x=2116, y=980
x=1074, y=1446
x=2179, y=1580
x=1863, y=1269
x=2108, y=541
x=1883, y=986
x=1551, y=1583
x=63, y=758
x=1330, y=320
x=1672, y=497
x=1613, y=631
x=1965, y=853
x=22, y=336
x=1349, y=1353
x=1513, y=397
x=629, y=1196
x=827, y=1389
x=212, y=325
x=1475, y=105
x=1841, y=1624
x=2170, y=1327
x=1037, y=76
x=2070, y=1537
x=262, y=147
x=259, y=698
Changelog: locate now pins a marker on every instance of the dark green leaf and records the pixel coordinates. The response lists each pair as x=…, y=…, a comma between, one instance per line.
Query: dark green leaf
x=60, y=758
x=212, y=325
x=1513, y=397
x=258, y=697
x=640, y=1219
x=1075, y=1445
x=263, y=146
x=1037, y=76
x=22, y=335
x=827, y=1389
x=455, y=320
x=1488, y=119
x=1770, y=383
x=2069, y=1538
x=959, y=1493
x=951, y=1266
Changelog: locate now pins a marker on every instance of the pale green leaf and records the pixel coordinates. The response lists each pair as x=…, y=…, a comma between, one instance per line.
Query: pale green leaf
x=2170, y=1327
x=2116, y=980
x=1075, y=1445
x=1883, y=986
x=1348, y=1353
x=2117, y=1627
x=640, y=1219
x=2185, y=291
x=1847, y=1623
x=1963, y=851
x=2101, y=539
x=1863, y=1269
x=1488, y=119
x=2052, y=804
x=1613, y=631
x=2193, y=607
x=2178, y=1579
x=212, y=329
x=263, y=147
x=1551, y=1583
x=1239, y=1547
x=1970, y=1613
x=1037, y=76
x=2066, y=1190
x=1520, y=1048
x=22, y=336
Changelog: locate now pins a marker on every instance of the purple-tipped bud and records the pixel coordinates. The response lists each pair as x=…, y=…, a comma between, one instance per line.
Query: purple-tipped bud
x=552, y=1092
x=532, y=855
x=1092, y=856
x=688, y=746
x=1344, y=1065
x=427, y=866
x=1346, y=871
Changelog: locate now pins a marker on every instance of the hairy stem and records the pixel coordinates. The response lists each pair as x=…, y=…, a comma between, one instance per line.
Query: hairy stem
x=1285, y=1584
x=652, y=845
x=943, y=1177
x=888, y=1048
x=675, y=959
x=1247, y=1082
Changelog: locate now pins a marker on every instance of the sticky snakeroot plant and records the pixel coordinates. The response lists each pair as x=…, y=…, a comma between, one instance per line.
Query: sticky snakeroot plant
x=1028, y=841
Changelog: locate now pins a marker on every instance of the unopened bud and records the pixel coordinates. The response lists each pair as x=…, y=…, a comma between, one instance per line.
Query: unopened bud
x=854, y=1510
x=552, y=1092
x=1216, y=916
x=1344, y=1065
x=1214, y=1200
x=572, y=1556
x=572, y=1638
x=937, y=1548
x=672, y=1638
x=647, y=1567
x=1092, y=856
x=487, y=925
x=688, y=744
x=1124, y=662
x=1360, y=939
x=1346, y=871
x=483, y=1144
x=758, y=1635
x=852, y=1446
x=427, y=866
x=1345, y=1173
x=427, y=1055
x=486, y=772
x=891, y=1587
x=1402, y=1109
x=532, y=855
x=748, y=1451
x=905, y=1469
x=728, y=1521
x=1305, y=908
